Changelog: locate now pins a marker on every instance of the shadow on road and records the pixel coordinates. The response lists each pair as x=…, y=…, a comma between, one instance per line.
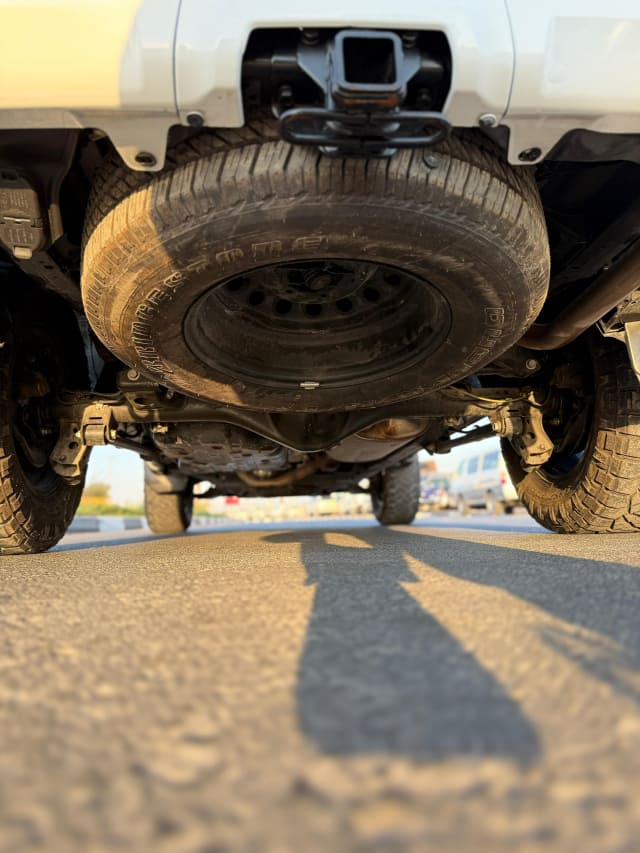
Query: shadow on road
x=379, y=674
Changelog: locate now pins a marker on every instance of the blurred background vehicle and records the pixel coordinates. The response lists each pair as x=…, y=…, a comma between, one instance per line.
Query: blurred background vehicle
x=435, y=494
x=482, y=481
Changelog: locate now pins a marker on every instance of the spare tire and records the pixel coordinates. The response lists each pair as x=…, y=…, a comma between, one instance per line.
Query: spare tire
x=263, y=275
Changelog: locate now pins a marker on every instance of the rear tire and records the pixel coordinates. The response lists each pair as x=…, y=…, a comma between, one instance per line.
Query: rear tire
x=395, y=493
x=462, y=506
x=42, y=353
x=168, y=513
x=493, y=505
x=595, y=490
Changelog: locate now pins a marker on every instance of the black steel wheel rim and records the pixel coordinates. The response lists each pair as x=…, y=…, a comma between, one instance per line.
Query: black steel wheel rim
x=335, y=321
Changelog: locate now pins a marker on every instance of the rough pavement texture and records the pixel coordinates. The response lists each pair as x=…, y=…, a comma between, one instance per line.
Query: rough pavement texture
x=298, y=689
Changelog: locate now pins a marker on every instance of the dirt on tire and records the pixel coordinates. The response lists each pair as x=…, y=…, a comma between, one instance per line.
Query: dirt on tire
x=472, y=229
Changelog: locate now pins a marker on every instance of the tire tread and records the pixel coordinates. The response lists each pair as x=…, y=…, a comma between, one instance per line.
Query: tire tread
x=399, y=496
x=29, y=523
x=606, y=498
x=167, y=513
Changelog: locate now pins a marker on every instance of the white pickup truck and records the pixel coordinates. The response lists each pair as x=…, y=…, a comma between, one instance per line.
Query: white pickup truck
x=279, y=249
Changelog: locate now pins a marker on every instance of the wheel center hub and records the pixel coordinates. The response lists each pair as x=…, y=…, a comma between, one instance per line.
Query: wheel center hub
x=307, y=282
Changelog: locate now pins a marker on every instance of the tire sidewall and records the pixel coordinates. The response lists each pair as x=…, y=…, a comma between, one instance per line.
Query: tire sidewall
x=148, y=299
x=49, y=507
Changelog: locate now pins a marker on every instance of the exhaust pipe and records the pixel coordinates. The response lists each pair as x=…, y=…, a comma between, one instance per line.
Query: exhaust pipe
x=600, y=298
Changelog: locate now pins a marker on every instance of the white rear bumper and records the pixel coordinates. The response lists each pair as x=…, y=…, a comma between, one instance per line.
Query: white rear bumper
x=209, y=49
x=541, y=69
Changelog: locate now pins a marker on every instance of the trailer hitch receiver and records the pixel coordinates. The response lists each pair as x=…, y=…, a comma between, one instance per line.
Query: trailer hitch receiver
x=364, y=77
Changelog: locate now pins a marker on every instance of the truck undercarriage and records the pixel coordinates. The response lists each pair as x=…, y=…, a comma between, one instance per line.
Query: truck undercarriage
x=300, y=305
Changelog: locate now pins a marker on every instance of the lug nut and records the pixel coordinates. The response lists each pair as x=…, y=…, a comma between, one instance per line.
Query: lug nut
x=320, y=282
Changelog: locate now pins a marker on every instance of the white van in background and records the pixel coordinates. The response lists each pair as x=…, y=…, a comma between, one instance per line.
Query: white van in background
x=482, y=481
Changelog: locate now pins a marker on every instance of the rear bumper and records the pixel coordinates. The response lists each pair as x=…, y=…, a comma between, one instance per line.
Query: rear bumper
x=541, y=70
x=209, y=48
x=575, y=67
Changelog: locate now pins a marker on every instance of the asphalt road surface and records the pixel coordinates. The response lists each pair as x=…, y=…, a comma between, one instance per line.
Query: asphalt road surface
x=459, y=685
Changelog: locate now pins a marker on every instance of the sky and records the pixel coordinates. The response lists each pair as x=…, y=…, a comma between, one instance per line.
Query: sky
x=123, y=470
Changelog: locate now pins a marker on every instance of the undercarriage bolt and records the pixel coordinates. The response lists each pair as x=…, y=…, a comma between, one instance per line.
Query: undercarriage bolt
x=532, y=364
x=145, y=158
x=529, y=155
x=285, y=96
x=133, y=375
x=423, y=98
x=195, y=119
x=487, y=120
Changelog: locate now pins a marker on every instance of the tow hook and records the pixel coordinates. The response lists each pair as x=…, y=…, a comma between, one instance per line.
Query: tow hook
x=365, y=77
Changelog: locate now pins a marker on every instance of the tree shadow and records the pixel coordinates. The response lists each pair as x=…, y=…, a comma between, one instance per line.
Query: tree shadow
x=379, y=675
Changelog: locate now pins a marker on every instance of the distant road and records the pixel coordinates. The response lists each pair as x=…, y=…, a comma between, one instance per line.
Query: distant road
x=458, y=685
x=520, y=522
